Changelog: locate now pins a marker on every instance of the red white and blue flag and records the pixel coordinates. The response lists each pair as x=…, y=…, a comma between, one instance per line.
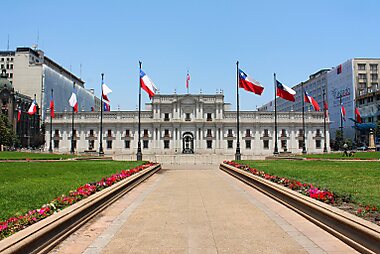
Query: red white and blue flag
x=343, y=112
x=106, y=106
x=33, y=108
x=285, y=92
x=73, y=101
x=19, y=114
x=147, y=84
x=187, y=80
x=358, y=117
x=105, y=91
x=310, y=99
x=326, y=106
x=52, y=114
x=249, y=84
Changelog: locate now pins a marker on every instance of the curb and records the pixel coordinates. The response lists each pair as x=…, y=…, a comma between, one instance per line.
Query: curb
x=42, y=236
x=358, y=233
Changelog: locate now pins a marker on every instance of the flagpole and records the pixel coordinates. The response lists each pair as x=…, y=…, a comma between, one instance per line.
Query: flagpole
x=324, y=122
x=187, y=82
x=72, y=127
x=341, y=117
x=303, y=120
x=275, y=116
x=101, y=151
x=237, y=154
x=51, y=126
x=139, y=154
x=34, y=122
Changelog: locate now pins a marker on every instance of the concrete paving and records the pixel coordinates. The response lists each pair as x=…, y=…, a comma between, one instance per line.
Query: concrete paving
x=199, y=209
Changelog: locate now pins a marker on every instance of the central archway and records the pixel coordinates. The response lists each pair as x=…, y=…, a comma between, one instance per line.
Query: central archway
x=188, y=143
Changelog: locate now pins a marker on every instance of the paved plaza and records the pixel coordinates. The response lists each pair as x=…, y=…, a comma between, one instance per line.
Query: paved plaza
x=199, y=209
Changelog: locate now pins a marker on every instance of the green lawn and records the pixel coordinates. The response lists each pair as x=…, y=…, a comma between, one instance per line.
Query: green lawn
x=360, y=179
x=26, y=186
x=357, y=155
x=33, y=156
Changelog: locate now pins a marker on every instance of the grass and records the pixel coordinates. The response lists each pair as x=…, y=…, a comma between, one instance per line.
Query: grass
x=357, y=155
x=5, y=155
x=26, y=186
x=360, y=179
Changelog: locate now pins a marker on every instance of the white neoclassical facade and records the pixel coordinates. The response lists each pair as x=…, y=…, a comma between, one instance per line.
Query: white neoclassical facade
x=187, y=125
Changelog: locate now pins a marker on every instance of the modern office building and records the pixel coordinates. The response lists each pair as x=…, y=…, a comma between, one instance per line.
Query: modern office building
x=355, y=83
x=187, y=124
x=33, y=73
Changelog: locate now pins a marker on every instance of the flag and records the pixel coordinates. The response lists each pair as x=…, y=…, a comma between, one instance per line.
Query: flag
x=339, y=69
x=73, y=102
x=147, y=84
x=249, y=84
x=326, y=106
x=105, y=91
x=106, y=106
x=52, y=115
x=285, y=92
x=358, y=117
x=92, y=109
x=343, y=112
x=187, y=80
x=310, y=99
x=19, y=114
x=33, y=108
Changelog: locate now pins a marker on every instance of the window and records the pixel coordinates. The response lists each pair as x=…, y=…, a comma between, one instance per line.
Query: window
x=56, y=133
x=11, y=75
x=127, y=133
x=145, y=144
x=187, y=117
x=109, y=144
x=166, y=144
x=318, y=133
x=56, y=144
x=209, y=144
x=146, y=133
x=109, y=133
x=209, y=134
x=166, y=117
x=361, y=67
x=373, y=67
x=2, y=66
x=91, y=144
x=266, y=133
x=283, y=133
x=209, y=117
x=11, y=59
x=318, y=143
x=7, y=66
x=300, y=132
x=11, y=66
x=2, y=59
x=229, y=133
x=230, y=144
x=127, y=144
x=166, y=133
x=374, y=77
x=248, y=144
x=362, y=76
x=300, y=144
x=247, y=132
x=266, y=144
x=370, y=99
x=91, y=133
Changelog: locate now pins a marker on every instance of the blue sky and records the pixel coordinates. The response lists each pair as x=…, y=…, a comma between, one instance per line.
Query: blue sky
x=292, y=38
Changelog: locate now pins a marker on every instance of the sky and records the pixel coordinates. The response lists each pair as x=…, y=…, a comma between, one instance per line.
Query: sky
x=293, y=39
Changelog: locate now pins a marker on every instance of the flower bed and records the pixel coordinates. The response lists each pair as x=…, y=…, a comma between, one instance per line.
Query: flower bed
x=366, y=211
x=14, y=224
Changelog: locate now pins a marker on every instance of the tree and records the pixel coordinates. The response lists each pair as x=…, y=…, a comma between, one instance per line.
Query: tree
x=7, y=135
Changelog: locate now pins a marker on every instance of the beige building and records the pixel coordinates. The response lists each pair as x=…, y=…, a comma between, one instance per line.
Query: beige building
x=33, y=73
x=186, y=125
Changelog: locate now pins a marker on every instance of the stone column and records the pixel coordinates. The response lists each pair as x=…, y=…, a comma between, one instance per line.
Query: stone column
x=371, y=140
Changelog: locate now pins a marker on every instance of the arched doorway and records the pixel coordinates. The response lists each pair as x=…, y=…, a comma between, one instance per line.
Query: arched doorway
x=187, y=143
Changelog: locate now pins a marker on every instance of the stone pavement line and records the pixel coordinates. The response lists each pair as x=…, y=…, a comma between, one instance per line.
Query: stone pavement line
x=193, y=211
x=310, y=236
x=98, y=245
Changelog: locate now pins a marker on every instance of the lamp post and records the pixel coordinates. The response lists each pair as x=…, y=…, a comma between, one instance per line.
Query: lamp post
x=303, y=121
x=275, y=152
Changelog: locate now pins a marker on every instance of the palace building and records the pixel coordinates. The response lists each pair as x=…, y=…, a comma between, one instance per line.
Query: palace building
x=185, y=125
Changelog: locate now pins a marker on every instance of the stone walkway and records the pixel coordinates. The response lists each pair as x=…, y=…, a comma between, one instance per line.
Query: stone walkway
x=195, y=209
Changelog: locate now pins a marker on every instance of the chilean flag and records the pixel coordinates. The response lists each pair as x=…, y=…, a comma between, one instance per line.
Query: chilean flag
x=343, y=112
x=147, y=84
x=358, y=117
x=187, y=80
x=33, y=108
x=326, y=106
x=285, y=92
x=19, y=114
x=73, y=102
x=106, y=106
x=313, y=102
x=52, y=115
x=249, y=84
x=105, y=91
